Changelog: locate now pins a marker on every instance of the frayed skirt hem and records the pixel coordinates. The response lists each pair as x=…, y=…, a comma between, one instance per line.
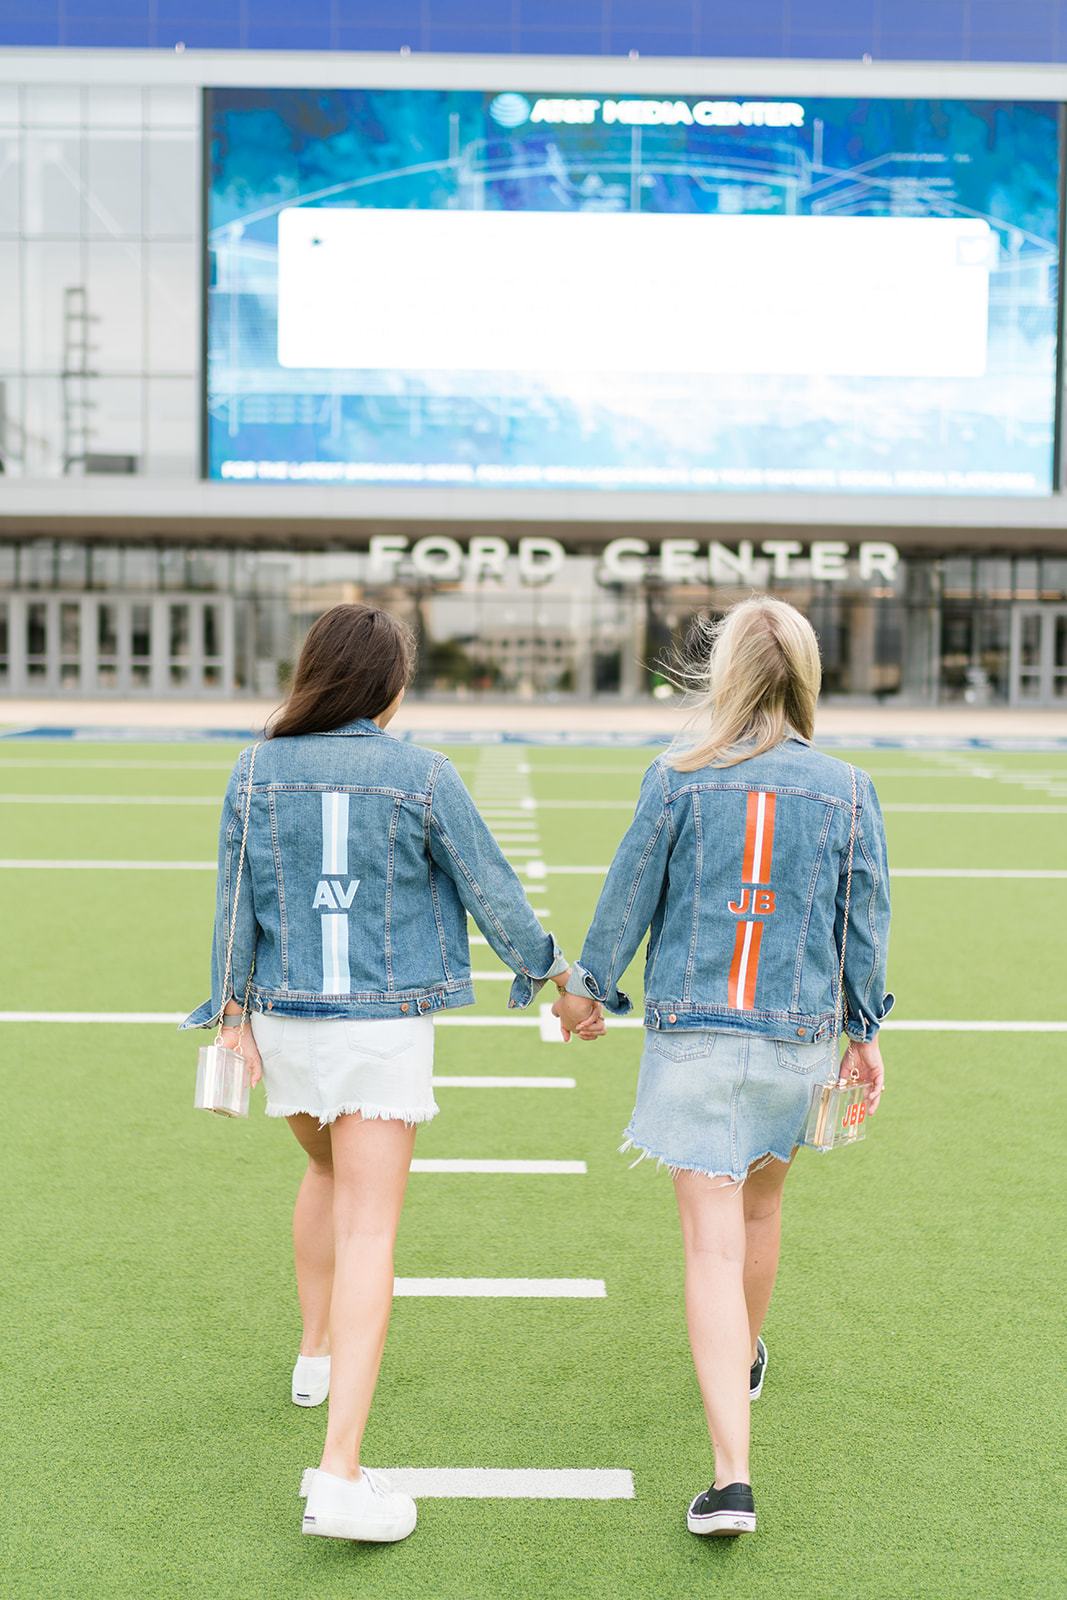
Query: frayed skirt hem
x=675, y=1167
x=363, y=1108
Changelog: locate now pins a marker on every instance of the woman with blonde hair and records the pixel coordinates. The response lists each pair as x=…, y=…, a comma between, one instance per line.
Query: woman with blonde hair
x=738, y=861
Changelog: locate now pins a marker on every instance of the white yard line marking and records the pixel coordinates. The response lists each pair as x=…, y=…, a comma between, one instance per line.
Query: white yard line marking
x=487, y=1082
x=108, y=866
x=512, y=1483
x=978, y=811
x=112, y=800
x=172, y=1018
x=125, y=766
x=895, y=872
x=549, y=1026
x=977, y=872
x=503, y=1288
x=541, y=1168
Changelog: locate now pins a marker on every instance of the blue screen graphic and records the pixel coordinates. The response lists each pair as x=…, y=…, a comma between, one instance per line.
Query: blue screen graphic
x=423, y=287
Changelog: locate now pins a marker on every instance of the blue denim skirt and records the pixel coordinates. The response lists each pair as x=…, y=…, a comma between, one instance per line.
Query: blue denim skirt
x=716, y=1102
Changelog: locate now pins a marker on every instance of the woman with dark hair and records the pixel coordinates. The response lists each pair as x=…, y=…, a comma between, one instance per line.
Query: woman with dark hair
x=364, y=856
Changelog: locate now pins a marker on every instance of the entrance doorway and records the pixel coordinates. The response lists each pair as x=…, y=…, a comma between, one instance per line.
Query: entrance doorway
x=1038, y=655
x=104, y=644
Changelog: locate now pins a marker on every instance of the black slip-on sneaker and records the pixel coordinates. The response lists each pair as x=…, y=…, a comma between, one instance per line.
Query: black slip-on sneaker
x=758, y=1371
x=728, y=1510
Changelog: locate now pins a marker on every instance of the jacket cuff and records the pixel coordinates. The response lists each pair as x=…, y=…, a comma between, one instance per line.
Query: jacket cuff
x=864, y=1029
x=582, y=982
x=205, y=1016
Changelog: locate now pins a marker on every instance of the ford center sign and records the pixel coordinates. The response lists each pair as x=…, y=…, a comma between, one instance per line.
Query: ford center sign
x=442, y=559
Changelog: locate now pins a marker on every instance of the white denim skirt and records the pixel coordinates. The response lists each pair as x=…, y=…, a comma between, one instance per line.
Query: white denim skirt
x=378, y=1067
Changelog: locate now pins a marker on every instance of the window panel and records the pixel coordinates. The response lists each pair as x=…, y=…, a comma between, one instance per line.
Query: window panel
x=52, y=268
x=12, y=426
x=115, y=304
x=53, y=193
x=113, y=191
x=116, y=418
x=112, y=105
x=42, y=439
x=172, y=446
x=173, y=305
x=53, y=106
x=10, y=181
x=174, y=106
x=173, y=204
x=10, y=307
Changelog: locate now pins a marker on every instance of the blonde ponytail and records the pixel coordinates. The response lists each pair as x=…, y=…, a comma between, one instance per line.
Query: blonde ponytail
x=757, y=675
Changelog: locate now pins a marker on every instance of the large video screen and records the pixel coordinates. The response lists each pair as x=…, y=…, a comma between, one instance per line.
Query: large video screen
x=451, y=287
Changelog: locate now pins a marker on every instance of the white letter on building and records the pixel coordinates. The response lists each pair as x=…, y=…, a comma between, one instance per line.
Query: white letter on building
x=781, y=550
x=438, y=556
x=878, y=560
x=677, y=561
x=828, y=559
x=385, y=551
x=540, y=559
x=487, y=554
x=726, y=567
x=618, y=563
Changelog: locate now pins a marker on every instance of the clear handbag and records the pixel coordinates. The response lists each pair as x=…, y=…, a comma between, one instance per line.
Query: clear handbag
x=221, y=1081
x=222, y=1073
x=838, y=1112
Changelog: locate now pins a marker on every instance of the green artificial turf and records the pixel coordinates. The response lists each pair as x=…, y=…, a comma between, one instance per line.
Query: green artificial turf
x=909, y=1442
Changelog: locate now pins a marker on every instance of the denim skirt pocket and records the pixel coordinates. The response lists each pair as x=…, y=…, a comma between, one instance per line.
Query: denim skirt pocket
x=689, y=1045
x=381, y=1040
x=804, y=1059
x=269, y=1034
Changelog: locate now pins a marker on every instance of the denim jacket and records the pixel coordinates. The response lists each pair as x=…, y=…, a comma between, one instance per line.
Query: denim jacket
x=740, y=872
x=364, y=856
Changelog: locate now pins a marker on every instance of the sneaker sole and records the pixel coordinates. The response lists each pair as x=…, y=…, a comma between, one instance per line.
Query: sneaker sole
x=722, y=1522
x=353, y=1528
x=306, y=1398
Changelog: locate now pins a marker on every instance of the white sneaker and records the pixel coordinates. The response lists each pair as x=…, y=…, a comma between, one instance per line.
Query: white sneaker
x=311, y=1380
x=367, y=1509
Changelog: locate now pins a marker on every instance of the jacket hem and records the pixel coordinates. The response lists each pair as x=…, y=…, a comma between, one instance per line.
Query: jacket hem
x=402, y=1003
x=676, y=1016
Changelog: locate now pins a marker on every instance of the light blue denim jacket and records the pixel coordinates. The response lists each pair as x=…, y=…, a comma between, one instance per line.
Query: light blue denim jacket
x=740, y=871
x=364, y=856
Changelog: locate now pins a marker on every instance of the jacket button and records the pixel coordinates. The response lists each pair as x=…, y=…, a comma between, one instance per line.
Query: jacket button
x=404, y=1006
x=672, y=1017
x=800, y=1033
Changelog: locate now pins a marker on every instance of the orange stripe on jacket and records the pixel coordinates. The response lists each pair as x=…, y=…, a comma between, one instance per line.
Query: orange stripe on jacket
x=759, y=837
x=741, y=987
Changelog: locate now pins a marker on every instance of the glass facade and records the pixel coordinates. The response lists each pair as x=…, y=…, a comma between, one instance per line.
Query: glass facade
x=99, y=267
x=98, y=618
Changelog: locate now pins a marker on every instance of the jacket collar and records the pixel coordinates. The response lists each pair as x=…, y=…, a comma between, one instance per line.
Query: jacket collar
x=361, y=725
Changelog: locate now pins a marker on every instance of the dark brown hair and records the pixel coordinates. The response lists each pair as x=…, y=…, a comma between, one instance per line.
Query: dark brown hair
x=355, y=661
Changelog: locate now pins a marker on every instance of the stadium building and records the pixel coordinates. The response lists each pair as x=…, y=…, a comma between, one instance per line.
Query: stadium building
x=547, y=354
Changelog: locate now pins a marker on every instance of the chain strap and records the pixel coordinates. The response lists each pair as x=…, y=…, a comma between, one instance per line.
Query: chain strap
x=228, y=973
x=841, y=1008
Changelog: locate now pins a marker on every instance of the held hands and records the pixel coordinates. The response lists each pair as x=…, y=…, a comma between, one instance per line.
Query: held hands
x=866, y=1059
x=579, y=1016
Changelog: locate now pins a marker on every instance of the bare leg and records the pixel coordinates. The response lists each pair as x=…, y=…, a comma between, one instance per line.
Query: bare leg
x=713, y=1230
x=370, y=1162
x=762, y=1196
x=313, y=1235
